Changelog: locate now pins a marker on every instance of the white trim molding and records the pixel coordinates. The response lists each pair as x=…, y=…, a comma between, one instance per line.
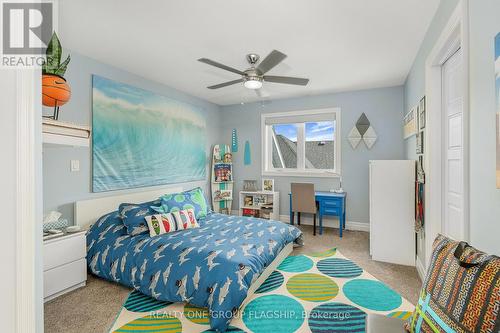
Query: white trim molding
x=29, y=291
x=421, y=270
x=327, y=222
x=453, y=37
x=300, y=117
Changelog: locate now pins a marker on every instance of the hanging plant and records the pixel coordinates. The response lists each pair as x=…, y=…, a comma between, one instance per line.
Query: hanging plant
x=55, y=90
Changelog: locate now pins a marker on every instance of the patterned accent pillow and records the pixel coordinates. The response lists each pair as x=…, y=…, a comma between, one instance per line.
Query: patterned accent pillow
x=192, y=199
x=164, y=223
x=460, y=292
x=133, y=215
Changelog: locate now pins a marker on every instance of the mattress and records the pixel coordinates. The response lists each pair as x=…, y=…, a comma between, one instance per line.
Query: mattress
x=211, y=266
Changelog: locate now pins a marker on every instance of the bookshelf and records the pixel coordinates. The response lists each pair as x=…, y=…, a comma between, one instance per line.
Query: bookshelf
x=263, y=204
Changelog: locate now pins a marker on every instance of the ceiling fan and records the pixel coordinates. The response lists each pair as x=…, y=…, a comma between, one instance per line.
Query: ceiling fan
x=253, y=77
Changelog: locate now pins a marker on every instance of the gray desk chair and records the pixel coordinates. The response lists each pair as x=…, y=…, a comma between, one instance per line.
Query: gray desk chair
x=304, y=201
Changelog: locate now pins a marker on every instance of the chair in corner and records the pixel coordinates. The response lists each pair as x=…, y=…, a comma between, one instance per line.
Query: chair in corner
x=304, y=201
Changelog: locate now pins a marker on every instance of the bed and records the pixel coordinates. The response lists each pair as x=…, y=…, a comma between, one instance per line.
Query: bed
x=218, y=265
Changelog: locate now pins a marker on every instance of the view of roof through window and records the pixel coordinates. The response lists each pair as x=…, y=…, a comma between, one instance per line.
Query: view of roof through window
x=319, y=145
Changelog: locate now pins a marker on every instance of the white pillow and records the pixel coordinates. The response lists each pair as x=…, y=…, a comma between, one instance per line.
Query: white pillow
x=159, y=224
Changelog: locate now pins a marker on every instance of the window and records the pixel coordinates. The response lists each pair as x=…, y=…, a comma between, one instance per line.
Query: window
x=301, y=143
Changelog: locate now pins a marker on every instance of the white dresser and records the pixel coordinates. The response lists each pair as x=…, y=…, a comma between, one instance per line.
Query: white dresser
x=392, y=211
x=64, y=264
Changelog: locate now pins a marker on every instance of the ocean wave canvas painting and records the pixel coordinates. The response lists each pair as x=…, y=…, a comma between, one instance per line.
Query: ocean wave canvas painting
x=140, y=138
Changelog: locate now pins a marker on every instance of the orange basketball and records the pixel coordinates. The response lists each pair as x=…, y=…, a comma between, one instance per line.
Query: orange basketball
x=55, y=90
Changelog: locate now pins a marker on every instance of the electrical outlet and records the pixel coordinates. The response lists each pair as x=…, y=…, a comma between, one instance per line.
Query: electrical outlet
x=75, y=165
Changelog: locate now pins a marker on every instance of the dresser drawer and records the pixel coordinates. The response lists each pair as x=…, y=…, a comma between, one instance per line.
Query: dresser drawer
x=63, y=277
x=58, y=252
x=331, y=203
x=331, y=211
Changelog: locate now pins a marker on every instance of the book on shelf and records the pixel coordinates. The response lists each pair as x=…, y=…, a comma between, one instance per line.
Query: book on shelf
x=250, y=212
x=222, y=173
x=62, y=128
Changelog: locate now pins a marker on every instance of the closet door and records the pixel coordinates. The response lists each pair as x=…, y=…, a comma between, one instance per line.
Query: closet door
x=453, y=135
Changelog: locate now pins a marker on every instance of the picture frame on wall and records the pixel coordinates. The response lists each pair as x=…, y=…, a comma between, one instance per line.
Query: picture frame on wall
x=410, y=123
x=421, y=114
x=268, y=185
x=420, y=170
x=420, y=143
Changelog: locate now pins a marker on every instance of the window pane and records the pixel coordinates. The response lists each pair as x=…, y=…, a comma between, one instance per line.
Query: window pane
x=284, y=146
x=320, y=145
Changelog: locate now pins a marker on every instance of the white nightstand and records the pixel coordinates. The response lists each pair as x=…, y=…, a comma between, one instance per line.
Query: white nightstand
x=64, y=264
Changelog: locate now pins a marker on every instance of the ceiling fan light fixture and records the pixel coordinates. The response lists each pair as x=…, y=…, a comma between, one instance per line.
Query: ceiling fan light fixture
x=253, y=83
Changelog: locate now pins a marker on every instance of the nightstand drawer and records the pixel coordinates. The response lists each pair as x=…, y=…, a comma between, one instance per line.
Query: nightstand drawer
x=60, y=251
x=331, y=211
x=63, y=277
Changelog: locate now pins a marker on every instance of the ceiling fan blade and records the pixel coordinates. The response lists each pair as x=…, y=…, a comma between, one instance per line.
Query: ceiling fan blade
x=273, y=58
x=286, y=79
x=261, y=93
x=219, y=65
x=225, y=84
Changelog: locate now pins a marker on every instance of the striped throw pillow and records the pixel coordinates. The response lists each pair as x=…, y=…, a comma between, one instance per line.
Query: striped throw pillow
x=159, y=224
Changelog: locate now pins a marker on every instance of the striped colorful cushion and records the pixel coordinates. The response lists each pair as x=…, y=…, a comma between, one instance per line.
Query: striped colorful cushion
x=461, y=292
x=159, y=224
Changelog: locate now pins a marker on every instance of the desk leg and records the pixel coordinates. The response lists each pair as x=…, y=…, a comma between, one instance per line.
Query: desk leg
x=320, y=217
x=341, y=222
x=345, y=208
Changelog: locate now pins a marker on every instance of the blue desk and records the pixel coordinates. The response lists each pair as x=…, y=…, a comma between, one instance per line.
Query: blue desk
x=329, y=203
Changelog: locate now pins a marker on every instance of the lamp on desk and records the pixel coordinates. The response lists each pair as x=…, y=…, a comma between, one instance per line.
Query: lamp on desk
x=339, y=190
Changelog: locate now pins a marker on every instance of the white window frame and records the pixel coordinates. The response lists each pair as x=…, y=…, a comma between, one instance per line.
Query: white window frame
x=300, y=171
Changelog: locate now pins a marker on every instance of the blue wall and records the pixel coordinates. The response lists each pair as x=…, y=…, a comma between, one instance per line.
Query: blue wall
x=62, y=187
x=484, y=25
x=414, y=88
x=383, y=108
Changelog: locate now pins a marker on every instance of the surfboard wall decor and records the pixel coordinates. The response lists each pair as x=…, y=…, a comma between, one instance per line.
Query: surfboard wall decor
x=222, y=179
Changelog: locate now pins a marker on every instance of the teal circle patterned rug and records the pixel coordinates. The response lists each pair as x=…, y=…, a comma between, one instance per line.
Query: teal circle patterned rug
x=324, y=291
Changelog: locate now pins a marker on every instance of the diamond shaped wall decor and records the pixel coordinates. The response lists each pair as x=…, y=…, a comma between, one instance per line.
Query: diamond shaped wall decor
x=362, y=130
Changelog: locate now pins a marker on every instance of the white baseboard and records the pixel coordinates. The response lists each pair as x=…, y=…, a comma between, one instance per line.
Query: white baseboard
x=420, y=268
x=327, y=222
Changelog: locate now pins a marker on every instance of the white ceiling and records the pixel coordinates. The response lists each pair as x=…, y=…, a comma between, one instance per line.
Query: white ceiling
x=338, y=44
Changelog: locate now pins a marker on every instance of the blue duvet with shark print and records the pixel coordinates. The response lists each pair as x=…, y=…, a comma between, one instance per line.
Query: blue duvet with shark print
x=211, y=266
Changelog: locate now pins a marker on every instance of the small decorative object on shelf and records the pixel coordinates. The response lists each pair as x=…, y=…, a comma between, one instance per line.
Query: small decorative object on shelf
x=259, y=204
x=250, y=212
x=221, y=195
x=268, y=185
x=248, y=201
x=222, y=173
x=249, y=185
x=55, y=90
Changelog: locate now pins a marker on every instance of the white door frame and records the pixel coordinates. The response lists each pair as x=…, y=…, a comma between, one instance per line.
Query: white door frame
x=453, y=37
x=29, y=256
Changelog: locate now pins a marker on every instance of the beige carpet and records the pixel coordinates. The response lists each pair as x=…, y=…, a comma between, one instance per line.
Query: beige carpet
x=94, y=307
